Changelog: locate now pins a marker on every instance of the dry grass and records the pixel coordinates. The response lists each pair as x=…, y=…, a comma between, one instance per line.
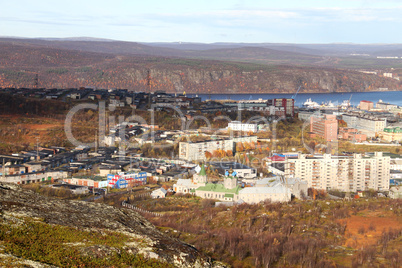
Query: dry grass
x=373, y=223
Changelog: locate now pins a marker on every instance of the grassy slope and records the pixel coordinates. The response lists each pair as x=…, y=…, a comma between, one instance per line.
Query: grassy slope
x=30, y=239
x=301, y=233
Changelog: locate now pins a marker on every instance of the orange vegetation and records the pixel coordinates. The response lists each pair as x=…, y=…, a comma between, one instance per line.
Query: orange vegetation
x=40, y=126
x=366, y=228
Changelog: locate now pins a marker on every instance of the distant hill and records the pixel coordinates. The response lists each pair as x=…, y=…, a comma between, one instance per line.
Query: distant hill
x=115, y=64
x=341, y=49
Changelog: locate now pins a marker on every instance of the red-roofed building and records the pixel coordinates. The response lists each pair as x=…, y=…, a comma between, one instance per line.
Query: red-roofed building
x=277, y=158
x=366, y=105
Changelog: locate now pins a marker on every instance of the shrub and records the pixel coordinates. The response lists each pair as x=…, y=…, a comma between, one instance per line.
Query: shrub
x=361, y=230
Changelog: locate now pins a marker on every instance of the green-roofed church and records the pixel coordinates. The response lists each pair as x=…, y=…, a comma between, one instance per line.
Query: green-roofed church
x=228, y=191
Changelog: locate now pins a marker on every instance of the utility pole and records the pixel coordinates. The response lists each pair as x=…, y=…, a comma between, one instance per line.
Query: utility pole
x=36, y=81
x=96, y=141
x=149, y=87
x=4, y=171
x=37, y=148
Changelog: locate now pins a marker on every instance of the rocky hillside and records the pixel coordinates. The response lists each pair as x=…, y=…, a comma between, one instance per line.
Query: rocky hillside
x=22, y=63
x=38, y=231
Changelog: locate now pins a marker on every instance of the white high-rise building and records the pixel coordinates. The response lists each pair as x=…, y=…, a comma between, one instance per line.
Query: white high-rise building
x=344, y=173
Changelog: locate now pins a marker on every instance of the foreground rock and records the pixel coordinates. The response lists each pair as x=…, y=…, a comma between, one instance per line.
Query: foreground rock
x=17, y=203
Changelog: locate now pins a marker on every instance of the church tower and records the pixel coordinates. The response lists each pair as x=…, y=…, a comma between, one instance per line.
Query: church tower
x=230, y=180
x=200, y=177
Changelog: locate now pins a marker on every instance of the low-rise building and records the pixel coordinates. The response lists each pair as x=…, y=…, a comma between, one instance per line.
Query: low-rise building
x=126, y=179
x=296, y=186
x=385, y=105
x=97, y=182
x=305, y=115
x=391, y=134
x=274, y=193
x=242, y=171
x=246, y=127
x=395, y=192
x=228, y=191
x=159, y=193
x=41, y=176
x=186, y=186
x=351, y=134
x=75, y=189
x=218, y=191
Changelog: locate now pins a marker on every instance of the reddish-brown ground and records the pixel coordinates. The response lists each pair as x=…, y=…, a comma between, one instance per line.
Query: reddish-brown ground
x=373, y=223
x=40, y=126
x=23, y=132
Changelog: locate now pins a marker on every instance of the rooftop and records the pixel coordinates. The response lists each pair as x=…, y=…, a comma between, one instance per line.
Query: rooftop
x=217, y=187
x=277, y=189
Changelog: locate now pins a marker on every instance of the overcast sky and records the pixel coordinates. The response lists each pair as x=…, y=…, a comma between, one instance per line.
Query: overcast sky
x=207, y=21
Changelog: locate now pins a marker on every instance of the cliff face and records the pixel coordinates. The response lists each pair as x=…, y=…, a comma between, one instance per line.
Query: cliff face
x=20, y=65
x=21, y=206
x=267, y=80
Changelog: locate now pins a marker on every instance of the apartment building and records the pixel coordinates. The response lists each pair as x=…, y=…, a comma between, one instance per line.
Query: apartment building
x=369, y=124
x=195, y=151
x=191, y=151
x=278, y=107
x=345, y=173
x=287, y=104
x=385, y=105
x=366, y=105
x=325, y=126
x=239, y=126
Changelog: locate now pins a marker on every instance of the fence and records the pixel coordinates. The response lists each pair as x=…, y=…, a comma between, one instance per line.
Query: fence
x=130, y=206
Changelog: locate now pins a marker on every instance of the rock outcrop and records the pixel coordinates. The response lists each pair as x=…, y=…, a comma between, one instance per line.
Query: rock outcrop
x=17, y=203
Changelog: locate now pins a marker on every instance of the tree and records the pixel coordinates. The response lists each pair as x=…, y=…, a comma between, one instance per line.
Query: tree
x=239, y=147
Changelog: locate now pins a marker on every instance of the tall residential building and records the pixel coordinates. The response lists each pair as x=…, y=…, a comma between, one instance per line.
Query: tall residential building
x=345, y=173
x=325, y=126
x=288, y=104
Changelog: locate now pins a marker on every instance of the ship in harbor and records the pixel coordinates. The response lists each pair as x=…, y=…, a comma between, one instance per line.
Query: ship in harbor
x=309, y=104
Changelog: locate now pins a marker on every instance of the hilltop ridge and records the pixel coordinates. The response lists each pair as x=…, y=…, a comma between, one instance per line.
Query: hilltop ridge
x=226, y=70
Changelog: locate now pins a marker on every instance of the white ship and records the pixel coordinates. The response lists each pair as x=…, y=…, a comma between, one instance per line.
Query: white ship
x=311, y=104
x=345, y=104
x=328, y=105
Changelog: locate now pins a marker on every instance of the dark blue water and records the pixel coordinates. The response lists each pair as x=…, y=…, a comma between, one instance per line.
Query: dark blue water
x=393, y=97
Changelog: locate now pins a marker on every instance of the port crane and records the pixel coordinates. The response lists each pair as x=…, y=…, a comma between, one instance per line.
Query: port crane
x=294, y=96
